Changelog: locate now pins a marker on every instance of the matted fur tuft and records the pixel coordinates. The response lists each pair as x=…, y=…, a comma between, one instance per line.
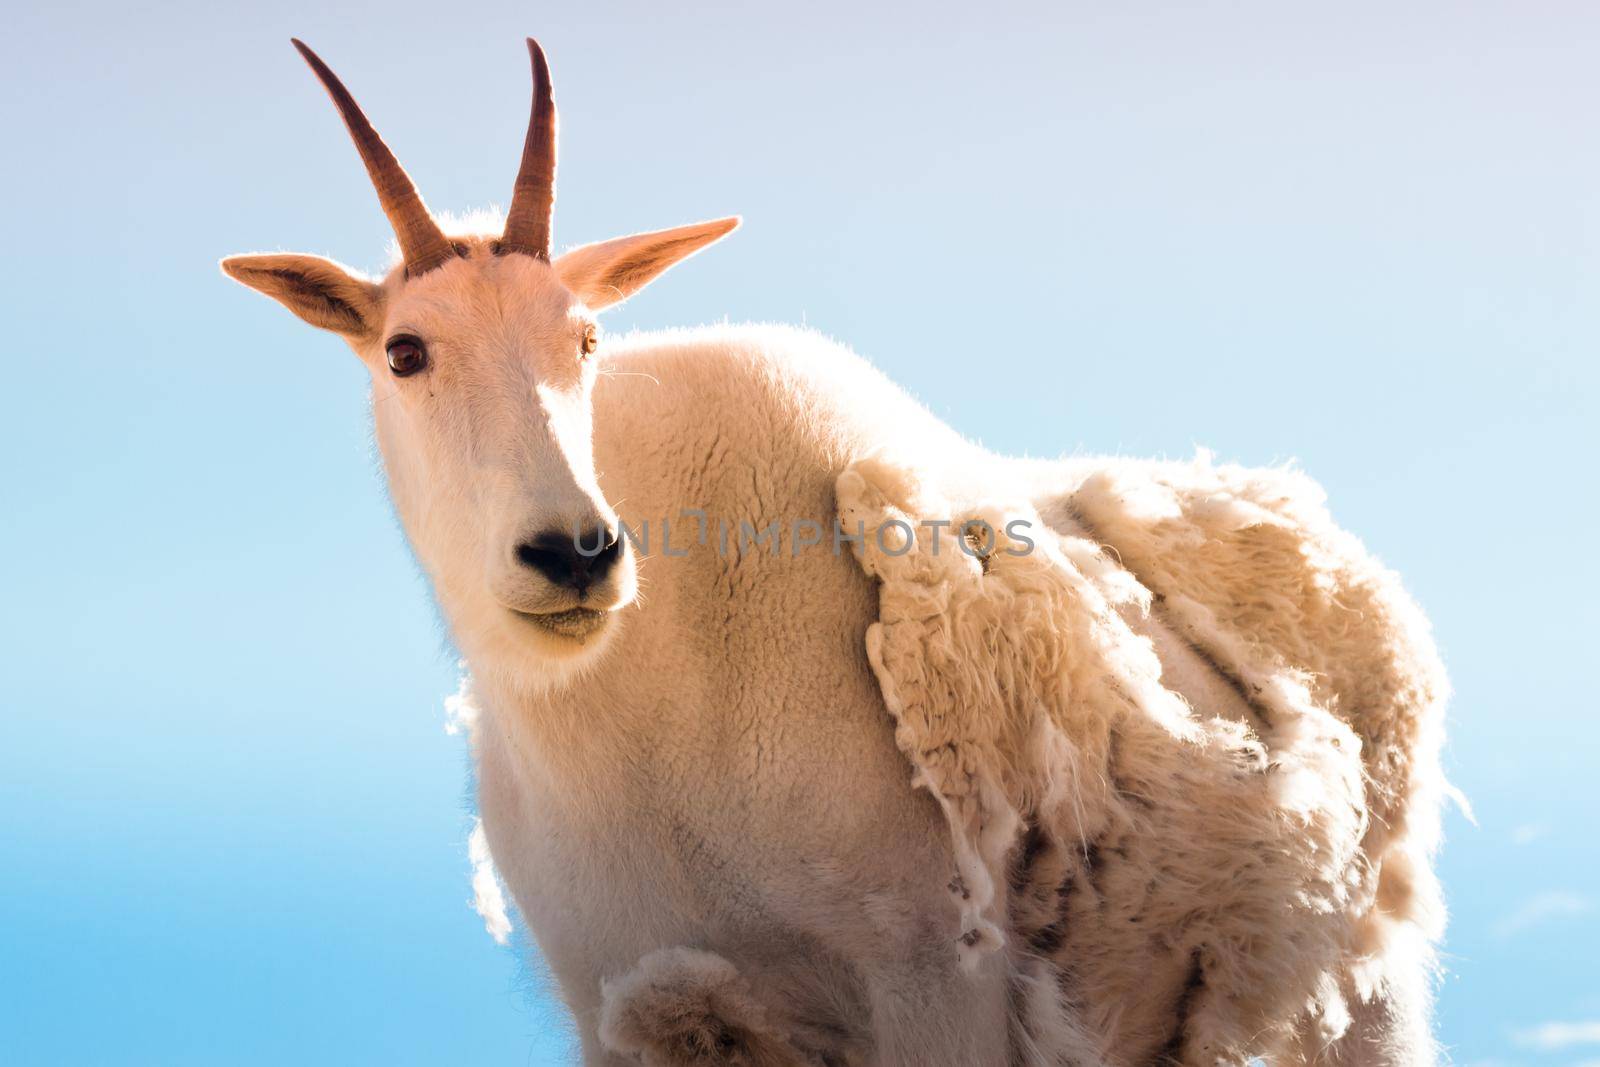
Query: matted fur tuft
x=682, y=1007
x=1207, y=888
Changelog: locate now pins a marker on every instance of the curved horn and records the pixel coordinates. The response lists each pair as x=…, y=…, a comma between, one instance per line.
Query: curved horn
x=422, y=243
x=533, y=199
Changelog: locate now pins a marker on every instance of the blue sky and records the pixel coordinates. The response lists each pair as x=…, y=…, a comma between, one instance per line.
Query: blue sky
x=234, y=828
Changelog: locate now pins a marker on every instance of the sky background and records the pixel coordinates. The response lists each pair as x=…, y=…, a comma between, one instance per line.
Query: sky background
x=232, y=826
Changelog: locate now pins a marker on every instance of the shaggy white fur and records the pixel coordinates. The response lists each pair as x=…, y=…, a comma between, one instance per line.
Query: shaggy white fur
x=1209, y=890
x=488, y=896
x=1250, y=567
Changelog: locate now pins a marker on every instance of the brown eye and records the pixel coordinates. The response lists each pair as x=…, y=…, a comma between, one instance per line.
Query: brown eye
x=406, y=356
x=591, y=340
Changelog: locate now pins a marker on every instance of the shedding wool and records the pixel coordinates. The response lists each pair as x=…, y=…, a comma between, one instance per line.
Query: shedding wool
x=1205, y=889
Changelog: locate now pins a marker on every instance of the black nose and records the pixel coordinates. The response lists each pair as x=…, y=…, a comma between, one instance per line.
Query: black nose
x=576, y=561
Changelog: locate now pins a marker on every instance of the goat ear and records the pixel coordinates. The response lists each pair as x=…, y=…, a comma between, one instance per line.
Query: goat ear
x=611, y=271
x=322, y=292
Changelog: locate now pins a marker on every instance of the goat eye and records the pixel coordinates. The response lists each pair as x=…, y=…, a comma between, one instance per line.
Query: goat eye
x=591, y=340
x=406, y=356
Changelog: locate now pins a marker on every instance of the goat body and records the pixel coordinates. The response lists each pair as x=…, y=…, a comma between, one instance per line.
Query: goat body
x=1200, y=776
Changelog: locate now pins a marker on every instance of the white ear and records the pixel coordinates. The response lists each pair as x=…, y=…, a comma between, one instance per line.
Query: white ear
x=320, y=291
x=611, y=271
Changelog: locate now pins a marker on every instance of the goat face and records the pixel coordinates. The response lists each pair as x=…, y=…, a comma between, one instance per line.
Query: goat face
x=482, y=352
x=482, y=371
x=481, y=381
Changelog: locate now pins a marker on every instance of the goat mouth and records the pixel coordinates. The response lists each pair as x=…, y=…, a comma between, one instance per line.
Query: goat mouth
x=576, y=623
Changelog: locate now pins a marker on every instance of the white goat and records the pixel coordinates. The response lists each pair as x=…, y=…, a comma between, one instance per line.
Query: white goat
x=1181, y=761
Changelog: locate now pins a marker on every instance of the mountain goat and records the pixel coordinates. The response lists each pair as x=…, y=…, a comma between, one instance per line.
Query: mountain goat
x=1141, y=769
